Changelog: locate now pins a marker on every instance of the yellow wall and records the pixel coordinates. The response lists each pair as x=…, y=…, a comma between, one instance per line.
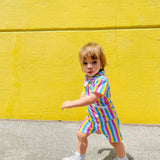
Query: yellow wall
x=39, y=67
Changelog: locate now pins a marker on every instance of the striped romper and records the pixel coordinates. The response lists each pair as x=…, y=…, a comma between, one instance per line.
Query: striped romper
x=101, y=115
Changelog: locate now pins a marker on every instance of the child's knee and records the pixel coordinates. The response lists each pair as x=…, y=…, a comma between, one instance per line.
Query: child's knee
x=116, y=144
x=81, y=136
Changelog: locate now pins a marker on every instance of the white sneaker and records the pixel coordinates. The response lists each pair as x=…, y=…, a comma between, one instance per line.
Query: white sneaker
x=76, y=156
x=69, y=158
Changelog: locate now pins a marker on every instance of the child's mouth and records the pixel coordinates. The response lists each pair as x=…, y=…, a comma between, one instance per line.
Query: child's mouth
x=90, y=72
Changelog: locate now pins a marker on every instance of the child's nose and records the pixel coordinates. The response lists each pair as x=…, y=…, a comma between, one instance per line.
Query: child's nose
x=89, y=66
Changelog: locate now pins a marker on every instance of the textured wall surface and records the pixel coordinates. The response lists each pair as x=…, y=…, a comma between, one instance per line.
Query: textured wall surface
x=39, y=67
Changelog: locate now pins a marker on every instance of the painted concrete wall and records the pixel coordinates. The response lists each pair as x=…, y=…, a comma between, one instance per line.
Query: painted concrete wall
x=39, y=67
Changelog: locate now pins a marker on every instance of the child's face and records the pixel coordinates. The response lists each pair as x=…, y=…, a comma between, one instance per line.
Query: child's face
x=91, y=66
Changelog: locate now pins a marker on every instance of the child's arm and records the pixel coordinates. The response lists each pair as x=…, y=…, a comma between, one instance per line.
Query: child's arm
x=91, y=98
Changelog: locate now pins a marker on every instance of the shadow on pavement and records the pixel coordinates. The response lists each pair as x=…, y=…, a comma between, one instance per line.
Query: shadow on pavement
x=112, y=154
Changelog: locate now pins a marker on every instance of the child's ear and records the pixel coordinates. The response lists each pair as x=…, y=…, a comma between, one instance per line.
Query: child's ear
x=101, y=66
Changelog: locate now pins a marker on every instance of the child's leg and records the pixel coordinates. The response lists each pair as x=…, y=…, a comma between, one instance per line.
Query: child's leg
x=82, y=142
x=119, y=149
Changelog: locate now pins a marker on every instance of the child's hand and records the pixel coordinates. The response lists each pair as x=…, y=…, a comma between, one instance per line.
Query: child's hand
x=66, y=104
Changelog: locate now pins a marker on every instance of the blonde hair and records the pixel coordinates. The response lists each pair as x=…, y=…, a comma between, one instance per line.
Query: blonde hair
x=93, y=50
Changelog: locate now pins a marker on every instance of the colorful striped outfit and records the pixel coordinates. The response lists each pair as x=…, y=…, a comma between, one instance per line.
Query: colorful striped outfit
x=101, y=115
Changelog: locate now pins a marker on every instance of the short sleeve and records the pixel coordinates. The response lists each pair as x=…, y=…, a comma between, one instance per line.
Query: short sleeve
x=101, y=86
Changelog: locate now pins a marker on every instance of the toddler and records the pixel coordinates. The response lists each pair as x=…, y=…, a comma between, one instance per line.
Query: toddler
x=101, y=115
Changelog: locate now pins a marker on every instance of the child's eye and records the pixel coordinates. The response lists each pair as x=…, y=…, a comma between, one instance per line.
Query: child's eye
x=85, y=63
x=94, y=62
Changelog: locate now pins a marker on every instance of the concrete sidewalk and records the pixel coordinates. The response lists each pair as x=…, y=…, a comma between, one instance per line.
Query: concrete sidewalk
x=50, y=140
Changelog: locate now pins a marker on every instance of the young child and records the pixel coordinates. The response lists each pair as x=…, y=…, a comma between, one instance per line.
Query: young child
x=101, y=115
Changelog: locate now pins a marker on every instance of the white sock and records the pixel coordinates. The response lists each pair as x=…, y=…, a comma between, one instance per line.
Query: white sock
x=78, y=154
x=124, y=158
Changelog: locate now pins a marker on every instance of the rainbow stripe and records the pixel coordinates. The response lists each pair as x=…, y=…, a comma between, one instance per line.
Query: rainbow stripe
x=102, y=117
